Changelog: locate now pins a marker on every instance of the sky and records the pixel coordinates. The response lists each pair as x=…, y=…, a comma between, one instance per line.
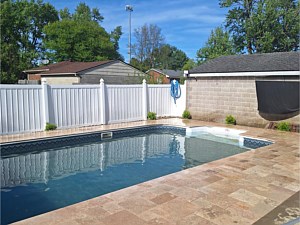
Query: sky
x=185, y=24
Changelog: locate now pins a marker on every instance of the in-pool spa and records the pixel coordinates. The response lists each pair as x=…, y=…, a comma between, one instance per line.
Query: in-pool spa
x=43, y=175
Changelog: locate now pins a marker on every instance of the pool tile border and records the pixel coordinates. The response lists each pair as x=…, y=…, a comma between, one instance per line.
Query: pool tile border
x=41, y=144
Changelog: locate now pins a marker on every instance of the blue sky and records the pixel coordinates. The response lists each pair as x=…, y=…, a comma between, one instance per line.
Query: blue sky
x=185, y=24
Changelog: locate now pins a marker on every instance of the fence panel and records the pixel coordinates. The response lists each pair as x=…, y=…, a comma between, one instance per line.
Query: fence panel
x=124, y=103
x=74, y=105
x=21, y=108
x=160, y=100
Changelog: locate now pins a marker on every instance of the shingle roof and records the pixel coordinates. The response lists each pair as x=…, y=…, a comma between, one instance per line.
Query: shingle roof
x=280, y=61
x=170, y=73
x=173, y=73
x=67, y=67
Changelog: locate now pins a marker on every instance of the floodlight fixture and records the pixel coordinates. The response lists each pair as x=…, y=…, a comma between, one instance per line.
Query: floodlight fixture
x=129, y=8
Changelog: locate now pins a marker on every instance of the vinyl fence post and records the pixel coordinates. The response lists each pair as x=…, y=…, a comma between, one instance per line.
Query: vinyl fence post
x=45, y=101
x=145, y=100
x=102, y=102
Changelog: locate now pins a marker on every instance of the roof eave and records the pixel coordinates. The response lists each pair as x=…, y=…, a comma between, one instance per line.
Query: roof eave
x=35, y=71
x=57, y=74
x=158, y=71
x=246, y=74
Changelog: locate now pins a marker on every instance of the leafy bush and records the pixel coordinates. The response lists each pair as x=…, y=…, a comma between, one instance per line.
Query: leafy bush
x=186, y=114
x=50, y=126
x=230, y=120
x=151, y=116
x=284, y=126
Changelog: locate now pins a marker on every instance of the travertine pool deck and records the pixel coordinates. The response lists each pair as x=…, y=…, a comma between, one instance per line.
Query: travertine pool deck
x=240, y=189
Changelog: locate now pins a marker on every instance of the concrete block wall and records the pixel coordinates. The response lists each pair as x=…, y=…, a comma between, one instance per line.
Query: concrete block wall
x=213, y=98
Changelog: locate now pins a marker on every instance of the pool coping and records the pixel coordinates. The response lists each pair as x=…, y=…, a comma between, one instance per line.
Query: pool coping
x=199, y=191
x=83, y=134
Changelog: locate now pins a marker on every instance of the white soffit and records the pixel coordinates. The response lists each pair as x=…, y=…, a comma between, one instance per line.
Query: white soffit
x=247, y=74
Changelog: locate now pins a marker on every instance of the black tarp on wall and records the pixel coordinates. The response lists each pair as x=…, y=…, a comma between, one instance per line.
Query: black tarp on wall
x=277, y=100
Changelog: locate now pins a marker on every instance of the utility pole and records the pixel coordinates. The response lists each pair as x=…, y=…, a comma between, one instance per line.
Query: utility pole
x=129, y=9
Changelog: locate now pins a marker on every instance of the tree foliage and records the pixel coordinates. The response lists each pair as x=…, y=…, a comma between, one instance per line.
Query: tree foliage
x=79, y=37
x=275, y=26
x=169, y=57
x=143, y=66
x=115, y=36
x=78, y=41
x=65, y=14
x=219, y=43
x=263, y=25
x=22, y=25
x=190, y=64
x=84, y=13
x=150, y=51
x=148, y=39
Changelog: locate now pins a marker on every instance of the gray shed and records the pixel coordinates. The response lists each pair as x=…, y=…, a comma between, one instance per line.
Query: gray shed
x=67, y=72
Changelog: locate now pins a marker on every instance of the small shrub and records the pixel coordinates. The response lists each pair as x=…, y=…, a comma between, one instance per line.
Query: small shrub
x=284, y=126
x=151, y=116
x=230, y=120
x=50, y=126
x=186, y=114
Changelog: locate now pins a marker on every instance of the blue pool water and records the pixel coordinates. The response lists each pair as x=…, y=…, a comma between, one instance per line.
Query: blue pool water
x=37, y=182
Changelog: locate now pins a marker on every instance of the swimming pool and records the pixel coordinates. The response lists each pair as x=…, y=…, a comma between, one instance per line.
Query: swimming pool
x=37, y=179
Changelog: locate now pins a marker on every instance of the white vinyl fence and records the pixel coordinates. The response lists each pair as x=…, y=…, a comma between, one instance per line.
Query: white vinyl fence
x=27, y=108
x=124, y=103
x=74, y=105
x=21, y=108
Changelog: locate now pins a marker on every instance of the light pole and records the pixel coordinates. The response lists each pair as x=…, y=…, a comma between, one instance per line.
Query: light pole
x=129, y=8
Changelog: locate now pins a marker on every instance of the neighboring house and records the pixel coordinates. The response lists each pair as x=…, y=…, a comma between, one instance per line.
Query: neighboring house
x=227, y=86
x=67, y=72
x=164, y=76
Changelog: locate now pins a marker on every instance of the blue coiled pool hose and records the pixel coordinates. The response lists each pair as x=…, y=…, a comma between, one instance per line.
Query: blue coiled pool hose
x=175, y=90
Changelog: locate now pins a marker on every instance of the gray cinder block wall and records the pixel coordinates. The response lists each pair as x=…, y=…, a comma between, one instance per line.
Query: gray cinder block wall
x=213, y=98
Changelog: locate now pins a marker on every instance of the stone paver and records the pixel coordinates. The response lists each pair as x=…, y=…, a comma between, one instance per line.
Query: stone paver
x=240, y=189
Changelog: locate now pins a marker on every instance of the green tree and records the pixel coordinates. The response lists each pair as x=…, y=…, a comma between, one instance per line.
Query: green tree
x=275, y=26
x=65, y=14
x=115, y=36
x=219, y=43
x=169, y=57
x=190, y=64
x=137, y=64
x=79, y=37
x=96, y=15
x=82, y=13
x=78, y=41
x=263, y=25
x=22, y=25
